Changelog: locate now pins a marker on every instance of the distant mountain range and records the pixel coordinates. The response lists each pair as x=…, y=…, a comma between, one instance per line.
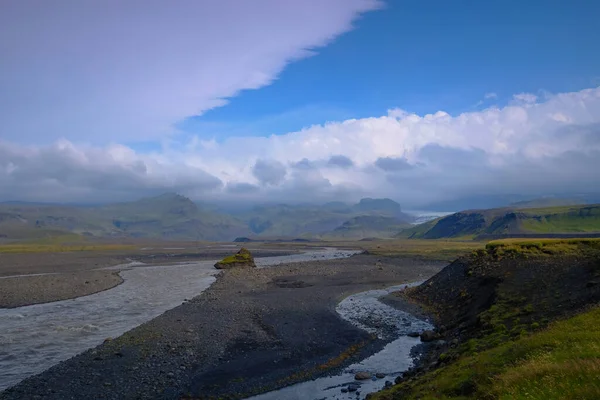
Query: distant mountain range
x=174, y=217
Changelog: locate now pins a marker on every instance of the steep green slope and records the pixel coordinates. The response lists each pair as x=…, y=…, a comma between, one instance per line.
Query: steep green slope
x=561, y=362
x=416, y=231
x=564, y=219
x=511, y=221
x=505, y=315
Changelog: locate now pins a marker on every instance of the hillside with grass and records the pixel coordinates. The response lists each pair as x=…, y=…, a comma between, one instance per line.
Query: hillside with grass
x=517, y=320
x=506, y=222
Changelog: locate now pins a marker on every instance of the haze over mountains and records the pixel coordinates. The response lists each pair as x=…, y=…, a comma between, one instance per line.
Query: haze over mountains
x=175, y=217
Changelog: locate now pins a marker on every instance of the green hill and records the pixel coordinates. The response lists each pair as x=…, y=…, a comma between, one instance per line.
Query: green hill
x=506, y=222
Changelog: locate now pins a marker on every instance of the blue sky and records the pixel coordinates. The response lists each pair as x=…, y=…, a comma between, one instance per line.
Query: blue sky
x=423, y=56
x=299, y=100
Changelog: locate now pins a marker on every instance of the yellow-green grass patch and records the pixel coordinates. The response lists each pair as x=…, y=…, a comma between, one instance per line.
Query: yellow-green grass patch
x=560, y=362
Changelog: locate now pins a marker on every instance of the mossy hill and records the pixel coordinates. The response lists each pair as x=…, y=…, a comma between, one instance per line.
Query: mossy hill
x=511, y=222
x=241, y=259
x=519, y=320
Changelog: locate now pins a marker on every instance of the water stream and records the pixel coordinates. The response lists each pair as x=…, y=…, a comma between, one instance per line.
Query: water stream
x=34, y=338
x=365, y=311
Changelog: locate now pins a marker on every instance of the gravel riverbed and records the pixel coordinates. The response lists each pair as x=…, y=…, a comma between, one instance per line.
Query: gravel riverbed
x=37, y=278
x=252, y=331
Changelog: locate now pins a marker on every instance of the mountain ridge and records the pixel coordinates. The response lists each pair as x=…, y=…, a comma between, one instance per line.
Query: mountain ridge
x=511, y=221
x=173, y=216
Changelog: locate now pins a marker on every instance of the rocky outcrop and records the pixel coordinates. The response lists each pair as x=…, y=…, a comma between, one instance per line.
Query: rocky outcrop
x=361, y=376
x=242, y=259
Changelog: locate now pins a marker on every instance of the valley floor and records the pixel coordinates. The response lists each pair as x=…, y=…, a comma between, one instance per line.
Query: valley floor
x=252, y=331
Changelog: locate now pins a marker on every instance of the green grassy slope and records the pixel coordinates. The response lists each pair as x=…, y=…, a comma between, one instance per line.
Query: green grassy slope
x=560, y=362
x=417, y=231
x=562, y=219
x=511, y=221
x=520, y=321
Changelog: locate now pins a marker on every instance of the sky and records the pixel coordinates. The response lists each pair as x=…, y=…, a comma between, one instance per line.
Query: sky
x=298, y=101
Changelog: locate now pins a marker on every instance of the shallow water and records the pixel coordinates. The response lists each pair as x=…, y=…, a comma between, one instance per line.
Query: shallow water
x=324, y=254
x=365, y=311
x=34, y=338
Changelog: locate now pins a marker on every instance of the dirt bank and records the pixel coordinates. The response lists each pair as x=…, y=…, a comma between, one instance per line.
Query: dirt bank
x=35, y=289
x=251, y=331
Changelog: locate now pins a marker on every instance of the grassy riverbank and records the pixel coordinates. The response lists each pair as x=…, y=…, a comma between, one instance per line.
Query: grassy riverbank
x=61, y=244
x=435, y=250
x=559, y=362
x=520, y=319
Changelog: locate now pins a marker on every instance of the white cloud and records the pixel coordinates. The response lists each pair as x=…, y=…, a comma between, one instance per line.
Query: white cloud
x=528, y=148
x=121, y=70
x=65, y=172
x=78, y=75
x=525, y=98
x=560, y=117
x=397, y=113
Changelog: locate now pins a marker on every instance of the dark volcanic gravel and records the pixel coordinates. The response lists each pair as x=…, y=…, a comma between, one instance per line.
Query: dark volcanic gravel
x=253, y=330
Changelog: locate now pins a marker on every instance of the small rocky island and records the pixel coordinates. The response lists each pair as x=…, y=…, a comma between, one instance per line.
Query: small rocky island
x=242, y=259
